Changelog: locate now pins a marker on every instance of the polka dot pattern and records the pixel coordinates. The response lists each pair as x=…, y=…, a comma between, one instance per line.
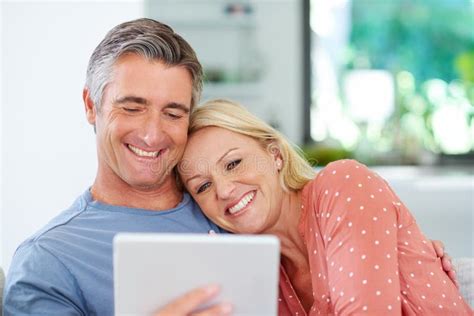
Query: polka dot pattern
x=368, y=254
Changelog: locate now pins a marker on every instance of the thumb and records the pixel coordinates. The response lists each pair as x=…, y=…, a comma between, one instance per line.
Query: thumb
x=189, y=301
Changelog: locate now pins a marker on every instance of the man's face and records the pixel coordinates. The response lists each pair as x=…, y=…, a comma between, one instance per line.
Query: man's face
x=142, y=124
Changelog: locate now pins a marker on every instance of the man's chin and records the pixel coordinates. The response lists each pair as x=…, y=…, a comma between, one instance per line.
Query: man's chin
x=150, y=184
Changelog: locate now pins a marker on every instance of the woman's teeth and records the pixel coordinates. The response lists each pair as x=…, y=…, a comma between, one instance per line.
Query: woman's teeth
x=142, y=153
x=243, y=203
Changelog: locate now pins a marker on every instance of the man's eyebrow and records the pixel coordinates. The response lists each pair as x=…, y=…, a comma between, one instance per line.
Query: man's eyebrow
x=131, y=99
x=179, y=106
x=222, y=157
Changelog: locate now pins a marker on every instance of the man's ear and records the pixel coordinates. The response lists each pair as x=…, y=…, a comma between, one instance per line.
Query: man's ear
x=91, y=111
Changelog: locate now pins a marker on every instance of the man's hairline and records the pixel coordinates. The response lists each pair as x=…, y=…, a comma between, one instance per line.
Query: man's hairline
x=157, y=60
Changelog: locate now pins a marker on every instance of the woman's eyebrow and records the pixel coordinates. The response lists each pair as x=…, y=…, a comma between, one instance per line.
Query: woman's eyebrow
x=226, y=153
x=218, y=161
x=193, y=177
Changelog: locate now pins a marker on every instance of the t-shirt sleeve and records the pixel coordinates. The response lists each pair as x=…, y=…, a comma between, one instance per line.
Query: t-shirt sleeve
x=39, y=284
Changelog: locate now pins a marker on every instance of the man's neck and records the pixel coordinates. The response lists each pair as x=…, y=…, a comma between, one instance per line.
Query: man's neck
x=159, y=198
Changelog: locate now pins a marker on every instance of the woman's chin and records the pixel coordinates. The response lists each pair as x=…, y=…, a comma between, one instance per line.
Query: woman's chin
x=250, y=230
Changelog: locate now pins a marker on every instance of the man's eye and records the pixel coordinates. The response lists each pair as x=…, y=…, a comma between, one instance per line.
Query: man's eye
x=174, y=116
x=233, y=164
x=203, y=187
x=131, y=110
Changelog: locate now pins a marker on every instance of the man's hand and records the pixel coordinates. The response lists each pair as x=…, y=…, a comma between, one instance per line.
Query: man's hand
x=186, y=304
x=445, y=261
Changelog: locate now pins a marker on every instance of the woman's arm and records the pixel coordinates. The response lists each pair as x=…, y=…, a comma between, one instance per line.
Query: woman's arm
x=378, y=260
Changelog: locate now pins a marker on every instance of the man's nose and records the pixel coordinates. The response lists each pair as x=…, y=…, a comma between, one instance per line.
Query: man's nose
x=153, y=133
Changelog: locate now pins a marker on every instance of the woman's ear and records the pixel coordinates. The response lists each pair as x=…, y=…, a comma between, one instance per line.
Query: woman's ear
x=277, y=157
x=279, y=164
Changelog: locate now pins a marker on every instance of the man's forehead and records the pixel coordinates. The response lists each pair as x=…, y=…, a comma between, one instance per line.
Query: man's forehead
x=133, y=74
x=127, y=58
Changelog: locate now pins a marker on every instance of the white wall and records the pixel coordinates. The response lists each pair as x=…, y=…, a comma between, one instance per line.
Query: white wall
x=48, y=152
x=1, y=137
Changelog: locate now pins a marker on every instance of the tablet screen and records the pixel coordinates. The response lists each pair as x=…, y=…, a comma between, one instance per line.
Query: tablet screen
x=150, y=270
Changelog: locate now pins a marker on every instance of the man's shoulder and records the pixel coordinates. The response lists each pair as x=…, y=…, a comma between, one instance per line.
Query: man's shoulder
x=63, y=218
x=38, y=276
x=53, y=266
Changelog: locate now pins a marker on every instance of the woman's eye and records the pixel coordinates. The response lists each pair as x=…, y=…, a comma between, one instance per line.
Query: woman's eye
x=203, y=187
x=233, y=164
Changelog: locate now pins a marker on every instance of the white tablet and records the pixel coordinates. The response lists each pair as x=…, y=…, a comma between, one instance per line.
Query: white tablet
x=150, y=270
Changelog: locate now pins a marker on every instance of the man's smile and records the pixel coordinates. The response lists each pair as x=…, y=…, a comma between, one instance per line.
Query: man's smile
x=142, y=153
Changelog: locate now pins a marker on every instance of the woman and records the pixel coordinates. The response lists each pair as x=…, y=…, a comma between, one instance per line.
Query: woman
x=348, y=244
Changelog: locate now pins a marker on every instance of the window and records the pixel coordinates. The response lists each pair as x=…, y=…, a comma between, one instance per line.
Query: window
x=392, y=81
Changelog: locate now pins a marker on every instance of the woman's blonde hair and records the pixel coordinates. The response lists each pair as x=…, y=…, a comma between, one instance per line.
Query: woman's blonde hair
x=296, y=171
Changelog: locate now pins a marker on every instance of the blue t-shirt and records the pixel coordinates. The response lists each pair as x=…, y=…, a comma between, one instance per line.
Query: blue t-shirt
x=66, y=268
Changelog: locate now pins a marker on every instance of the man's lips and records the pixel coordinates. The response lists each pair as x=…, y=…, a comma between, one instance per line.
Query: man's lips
x=242, y=203
x=143, y=153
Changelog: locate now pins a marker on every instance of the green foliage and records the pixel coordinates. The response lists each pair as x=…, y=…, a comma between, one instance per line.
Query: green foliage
x=425, y=38
x=465, y=66
x=428, y=45
x=320, y=155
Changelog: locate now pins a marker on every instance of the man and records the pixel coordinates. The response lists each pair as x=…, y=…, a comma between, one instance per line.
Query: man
x=142, y=82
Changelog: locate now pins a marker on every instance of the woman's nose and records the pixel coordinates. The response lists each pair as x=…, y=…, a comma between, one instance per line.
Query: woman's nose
x=224, y=189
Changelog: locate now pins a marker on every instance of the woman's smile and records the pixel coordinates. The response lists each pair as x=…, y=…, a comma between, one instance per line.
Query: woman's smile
x=241, y=205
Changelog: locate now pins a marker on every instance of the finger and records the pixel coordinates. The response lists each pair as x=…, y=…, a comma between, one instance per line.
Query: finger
x=223, y=309
x=447, y=264
x=452, y=276
x=438, y=247
x=456, y=283
x=189, y=301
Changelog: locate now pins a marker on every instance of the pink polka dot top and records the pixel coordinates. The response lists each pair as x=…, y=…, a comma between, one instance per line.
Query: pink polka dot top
x=367, y=255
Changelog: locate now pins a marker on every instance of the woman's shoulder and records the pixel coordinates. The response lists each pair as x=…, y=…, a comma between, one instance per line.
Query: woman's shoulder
x=345, y=165
x=338, y=174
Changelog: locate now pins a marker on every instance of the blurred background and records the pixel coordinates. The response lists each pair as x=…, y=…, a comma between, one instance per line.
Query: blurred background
x=393, y=81
x=390, y=83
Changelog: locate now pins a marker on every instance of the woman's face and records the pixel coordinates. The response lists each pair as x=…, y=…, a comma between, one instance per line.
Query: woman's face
x=234, y=179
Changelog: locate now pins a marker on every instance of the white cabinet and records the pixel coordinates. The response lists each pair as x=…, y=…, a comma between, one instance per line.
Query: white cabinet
x=251, y=52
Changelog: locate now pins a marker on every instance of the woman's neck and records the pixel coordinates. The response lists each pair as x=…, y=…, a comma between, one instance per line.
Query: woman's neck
x=294, y=255
x=286, y=227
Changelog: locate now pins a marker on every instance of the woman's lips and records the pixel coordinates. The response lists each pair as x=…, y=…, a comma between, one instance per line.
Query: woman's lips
x=241, y=205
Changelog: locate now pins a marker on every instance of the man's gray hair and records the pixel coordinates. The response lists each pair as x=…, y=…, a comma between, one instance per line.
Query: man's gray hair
x=145, y=37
